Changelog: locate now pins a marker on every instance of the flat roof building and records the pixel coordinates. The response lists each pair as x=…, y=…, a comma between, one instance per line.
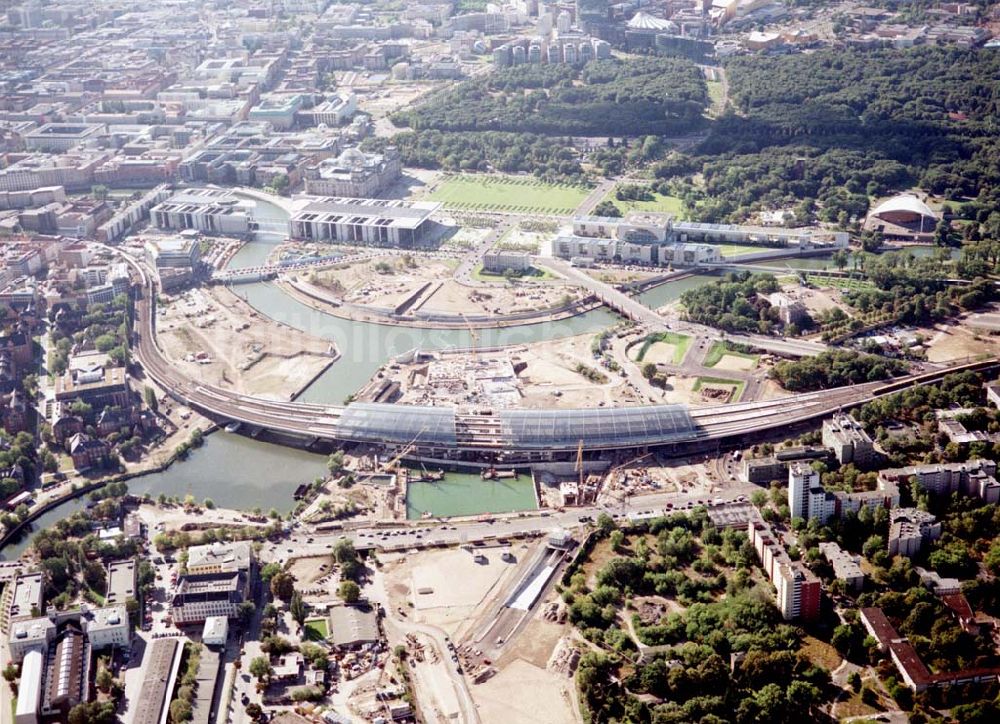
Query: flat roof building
x=216, y=631
x=846, y=567
x=25, y=597
x=29, y=692
x=848, y=440
x=162, y=661
x=220, y=557
x=122, y=581
x=212, y=211
x=362, y=222
x=199, y=596
x=353, y=626
x=176, y=252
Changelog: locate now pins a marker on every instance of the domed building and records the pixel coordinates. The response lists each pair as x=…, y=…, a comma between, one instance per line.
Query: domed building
x=903, y=217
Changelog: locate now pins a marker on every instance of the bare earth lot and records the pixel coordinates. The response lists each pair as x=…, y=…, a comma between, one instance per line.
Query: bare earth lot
x=214, y=336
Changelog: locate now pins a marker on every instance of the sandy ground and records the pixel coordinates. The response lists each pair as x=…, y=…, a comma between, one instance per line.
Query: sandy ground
x=956, y=343
x=735, y=363
x=658, y=353
x=815, y=300
x=526, y=694
x=451, y=608
x=497, y=299
x=362, y=282
x=437, y=692
x=620, y=276
x=439, y=573
x=243, y=350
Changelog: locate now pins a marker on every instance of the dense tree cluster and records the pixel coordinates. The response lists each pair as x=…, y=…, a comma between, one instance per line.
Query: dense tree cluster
x=734, y=303
x=838, y=126
x=834, y=368
x=658, y=96
x=487, y=151
x=915, y=291
x=727, y=612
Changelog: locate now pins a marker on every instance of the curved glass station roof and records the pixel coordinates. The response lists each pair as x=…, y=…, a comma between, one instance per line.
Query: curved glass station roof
x=520, y=429
x=598, y=427
x=379, y=423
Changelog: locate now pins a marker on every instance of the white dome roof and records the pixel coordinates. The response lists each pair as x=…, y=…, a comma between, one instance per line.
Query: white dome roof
x=644, y=21
x=905, y=202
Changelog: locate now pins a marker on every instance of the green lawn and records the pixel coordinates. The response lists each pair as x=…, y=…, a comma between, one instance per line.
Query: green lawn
x=735, y=250
x=719, y=349
x=822, y=280
x=508, y=193
x=715, y=92
x=681, y=343
x=737, y=384
x=316, y=629
x=659, y=203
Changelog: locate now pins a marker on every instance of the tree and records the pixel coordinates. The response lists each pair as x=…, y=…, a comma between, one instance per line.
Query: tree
x=283, y=585
x=607, y=208
x=104, y=680
x=245, y=612
x=260, y=667
x=649, y=370
x=254, y=711
x=149, y=394
x=349, y=591
x=298, y=609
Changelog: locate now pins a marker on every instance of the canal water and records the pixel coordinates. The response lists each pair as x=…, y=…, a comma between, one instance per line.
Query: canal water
x=671, y=291
x=468, y=494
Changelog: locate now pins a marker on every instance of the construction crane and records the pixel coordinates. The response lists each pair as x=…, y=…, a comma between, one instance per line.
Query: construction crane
x=473, y=334
x=579, y=464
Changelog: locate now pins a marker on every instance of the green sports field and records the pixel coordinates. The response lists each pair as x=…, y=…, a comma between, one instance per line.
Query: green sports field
x=508, y=193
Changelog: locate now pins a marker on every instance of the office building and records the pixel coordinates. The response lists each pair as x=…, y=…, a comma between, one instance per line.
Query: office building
x=199, y=596
x=363, y=222
x=498, y=262
x=848, y=440
x=212, y=211
x=216, y=631
x=175, y=252
x=121, y=581
x=236, y=557
x=108, y=627
x=56, y=137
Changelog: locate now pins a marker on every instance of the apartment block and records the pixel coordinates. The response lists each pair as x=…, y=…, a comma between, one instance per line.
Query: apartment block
x=848, y=440
x=798, y=590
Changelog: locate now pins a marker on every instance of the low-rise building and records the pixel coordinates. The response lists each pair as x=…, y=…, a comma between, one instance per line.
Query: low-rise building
x=846, y=567
x=122, y=582
x=353, y=626
x=177, y=252
x=498, y=262
x=234, y=557
x=216, y=631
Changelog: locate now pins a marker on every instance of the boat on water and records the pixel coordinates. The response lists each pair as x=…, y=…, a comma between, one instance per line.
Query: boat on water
x=233, y=426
